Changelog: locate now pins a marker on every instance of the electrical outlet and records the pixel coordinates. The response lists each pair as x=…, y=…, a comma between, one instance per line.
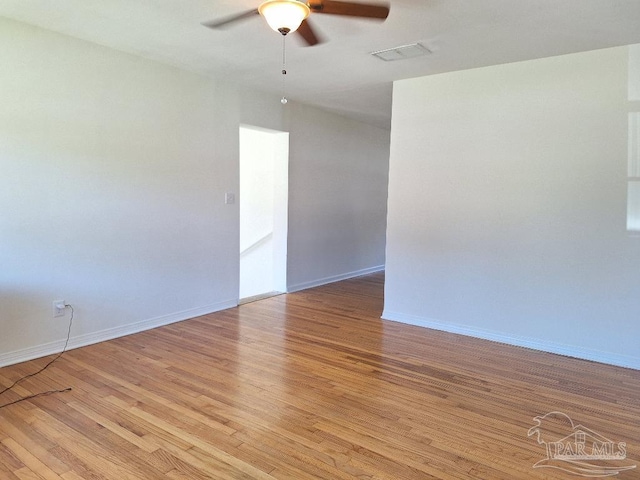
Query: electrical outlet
x=59, y=308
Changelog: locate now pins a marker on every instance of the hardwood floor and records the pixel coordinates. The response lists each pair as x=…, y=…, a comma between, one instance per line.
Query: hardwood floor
x=310, y=385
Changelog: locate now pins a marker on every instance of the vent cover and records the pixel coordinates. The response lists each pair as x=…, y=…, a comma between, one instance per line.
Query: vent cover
x=402, y=52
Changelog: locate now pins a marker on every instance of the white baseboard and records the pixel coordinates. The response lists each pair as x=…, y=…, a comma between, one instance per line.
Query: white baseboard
x=335, y=278
x=519, y=341
x=38, y=351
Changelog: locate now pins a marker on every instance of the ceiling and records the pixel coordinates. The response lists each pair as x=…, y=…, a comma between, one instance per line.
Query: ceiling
x=339, y=75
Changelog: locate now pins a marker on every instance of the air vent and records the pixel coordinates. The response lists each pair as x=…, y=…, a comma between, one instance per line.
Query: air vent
x=402, y=52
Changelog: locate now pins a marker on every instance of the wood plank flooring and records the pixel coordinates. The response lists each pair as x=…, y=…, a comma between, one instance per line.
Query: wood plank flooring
x=309, y=385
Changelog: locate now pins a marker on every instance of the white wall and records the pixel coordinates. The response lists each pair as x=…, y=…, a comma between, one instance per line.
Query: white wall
x=113, y=171
x=111, y=193
x=337, y=199
x=507, y=206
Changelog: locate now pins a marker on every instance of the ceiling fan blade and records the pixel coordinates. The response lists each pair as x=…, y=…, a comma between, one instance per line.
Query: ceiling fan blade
x=224, y=22
x=308, y=34
x=367, y=10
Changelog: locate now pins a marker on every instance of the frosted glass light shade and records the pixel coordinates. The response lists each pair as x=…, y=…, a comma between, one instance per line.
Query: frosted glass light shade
x=284, y=16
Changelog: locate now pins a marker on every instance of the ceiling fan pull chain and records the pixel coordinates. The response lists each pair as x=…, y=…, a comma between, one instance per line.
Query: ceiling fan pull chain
x=284, y=100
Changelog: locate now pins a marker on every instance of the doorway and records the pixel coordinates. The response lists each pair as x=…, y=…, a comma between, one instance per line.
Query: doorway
x=264, y=192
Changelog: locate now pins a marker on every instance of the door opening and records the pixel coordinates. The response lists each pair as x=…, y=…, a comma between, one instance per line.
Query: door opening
x=264, y=188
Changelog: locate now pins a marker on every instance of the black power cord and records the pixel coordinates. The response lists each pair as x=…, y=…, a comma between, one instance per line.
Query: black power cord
x=66, y=343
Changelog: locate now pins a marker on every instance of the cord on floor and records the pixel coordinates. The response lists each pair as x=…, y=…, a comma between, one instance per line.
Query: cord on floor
x=42, y=394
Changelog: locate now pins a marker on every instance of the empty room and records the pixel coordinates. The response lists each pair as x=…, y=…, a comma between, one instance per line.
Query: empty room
x=322, y=240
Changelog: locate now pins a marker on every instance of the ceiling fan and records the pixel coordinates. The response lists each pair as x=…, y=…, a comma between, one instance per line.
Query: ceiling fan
x=286, y=16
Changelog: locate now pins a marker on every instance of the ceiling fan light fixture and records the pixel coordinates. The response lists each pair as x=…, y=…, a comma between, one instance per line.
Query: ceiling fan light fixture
x=284, y=16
